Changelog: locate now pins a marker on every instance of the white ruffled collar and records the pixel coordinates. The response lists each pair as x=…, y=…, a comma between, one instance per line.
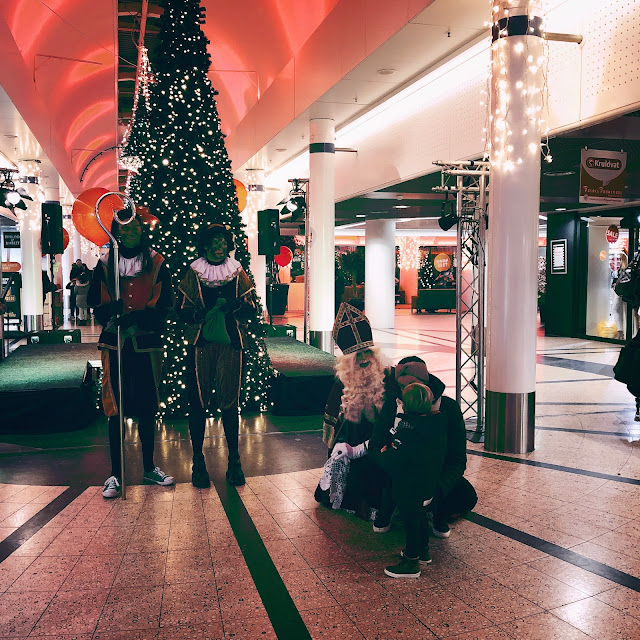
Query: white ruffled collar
x=215, y=275
x=129, y=267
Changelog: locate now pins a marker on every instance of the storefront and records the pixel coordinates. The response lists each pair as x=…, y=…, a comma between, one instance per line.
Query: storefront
x=585, y=255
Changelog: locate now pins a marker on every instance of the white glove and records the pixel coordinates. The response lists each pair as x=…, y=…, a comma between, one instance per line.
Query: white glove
x=343, y=449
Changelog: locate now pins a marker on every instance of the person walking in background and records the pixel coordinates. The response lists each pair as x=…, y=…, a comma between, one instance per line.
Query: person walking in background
x=81, y=289
x=76, y=270
x=146, y=298
x=627, y=370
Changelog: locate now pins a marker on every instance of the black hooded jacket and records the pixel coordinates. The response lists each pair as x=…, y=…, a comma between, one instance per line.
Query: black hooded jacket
x=455, y=456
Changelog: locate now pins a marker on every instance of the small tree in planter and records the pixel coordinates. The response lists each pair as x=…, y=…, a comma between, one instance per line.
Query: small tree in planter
x=352, y=263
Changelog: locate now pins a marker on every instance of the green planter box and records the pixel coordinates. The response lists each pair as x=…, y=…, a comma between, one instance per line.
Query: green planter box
x=53, y=337
x=281, y=331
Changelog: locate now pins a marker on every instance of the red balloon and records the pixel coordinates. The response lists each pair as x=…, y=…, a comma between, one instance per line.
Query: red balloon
x=284, y=257
x=83, y=214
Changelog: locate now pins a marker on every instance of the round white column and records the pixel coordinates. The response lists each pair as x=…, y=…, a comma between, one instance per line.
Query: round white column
x=322, y=215
x=255, y=202
x=517, y=56
x=380, y=273
x=31, y=260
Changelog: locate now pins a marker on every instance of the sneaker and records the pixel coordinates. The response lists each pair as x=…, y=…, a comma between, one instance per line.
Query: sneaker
x=406, y=568
x=440, y=529
x=423, y=559
x=199, y=475
x=382, y=523
x=158, y=476
x=111, y=488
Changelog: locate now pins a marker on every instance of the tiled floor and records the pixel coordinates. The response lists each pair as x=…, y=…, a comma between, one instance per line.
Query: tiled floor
x=170, y=563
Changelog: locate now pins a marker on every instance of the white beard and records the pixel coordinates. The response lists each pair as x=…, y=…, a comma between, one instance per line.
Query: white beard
x=363, y=393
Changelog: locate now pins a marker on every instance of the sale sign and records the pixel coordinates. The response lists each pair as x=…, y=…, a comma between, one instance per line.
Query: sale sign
x=613, y=234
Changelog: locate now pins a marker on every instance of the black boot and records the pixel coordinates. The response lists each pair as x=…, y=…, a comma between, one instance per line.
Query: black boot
x=231, y=424
x=235, y=474
x=199, y=474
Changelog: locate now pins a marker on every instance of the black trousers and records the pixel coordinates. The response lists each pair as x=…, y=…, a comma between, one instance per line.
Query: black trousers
x=416, y=526
x=146, y=432
x=459, y=500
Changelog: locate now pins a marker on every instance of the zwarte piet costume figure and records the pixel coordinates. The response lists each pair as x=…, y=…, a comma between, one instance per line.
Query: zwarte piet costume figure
x=217, y=298
x=146, y=299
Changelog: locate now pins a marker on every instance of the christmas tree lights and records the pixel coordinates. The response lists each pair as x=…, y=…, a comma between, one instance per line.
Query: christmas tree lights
x=426, y=273
x=185, y=179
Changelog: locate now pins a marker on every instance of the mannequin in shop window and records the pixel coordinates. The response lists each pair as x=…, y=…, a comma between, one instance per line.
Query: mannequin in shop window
x=146, y=299
x=217, y=298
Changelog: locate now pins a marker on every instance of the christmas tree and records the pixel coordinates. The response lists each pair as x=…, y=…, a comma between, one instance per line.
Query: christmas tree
x=185, y=180
x=426, y=273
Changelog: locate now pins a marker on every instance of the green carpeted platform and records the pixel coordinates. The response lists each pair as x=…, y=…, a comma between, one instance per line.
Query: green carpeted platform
x=304, y=376
x=295, y=358
x=37, y=367
x=42, y=388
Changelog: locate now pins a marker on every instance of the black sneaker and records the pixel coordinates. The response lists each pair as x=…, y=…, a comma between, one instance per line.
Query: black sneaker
x=382, y=523
x=199, y=475
x=235, y=475
x=406, y=568
x=440, y=529
x=423, y=559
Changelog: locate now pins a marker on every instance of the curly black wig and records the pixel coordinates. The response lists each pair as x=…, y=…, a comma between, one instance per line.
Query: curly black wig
x=206, y=235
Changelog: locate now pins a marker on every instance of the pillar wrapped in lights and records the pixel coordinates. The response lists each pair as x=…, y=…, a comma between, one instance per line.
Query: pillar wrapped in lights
x=255, y=202
x=31, y=259
x=517, y=58
x=322, y=214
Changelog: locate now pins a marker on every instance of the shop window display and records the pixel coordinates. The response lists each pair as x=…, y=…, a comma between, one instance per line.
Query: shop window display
x=608, y=255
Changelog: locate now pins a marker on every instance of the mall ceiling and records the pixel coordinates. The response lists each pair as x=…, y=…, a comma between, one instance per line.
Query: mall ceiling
x=559, y=180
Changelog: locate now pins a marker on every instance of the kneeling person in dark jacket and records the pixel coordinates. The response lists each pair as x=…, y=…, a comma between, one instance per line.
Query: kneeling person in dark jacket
x=414, y=462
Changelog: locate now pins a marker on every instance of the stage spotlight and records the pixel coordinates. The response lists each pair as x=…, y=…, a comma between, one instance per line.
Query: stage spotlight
x=448, y=221
x=449, y=218
x=294, y=209
x=12, y=197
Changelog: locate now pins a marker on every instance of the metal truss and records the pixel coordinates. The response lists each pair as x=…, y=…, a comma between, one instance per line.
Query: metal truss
x=469, y=182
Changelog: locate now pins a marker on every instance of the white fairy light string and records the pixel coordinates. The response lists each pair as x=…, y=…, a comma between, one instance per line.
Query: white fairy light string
x=133, y=163
x=499, y=144
x=409, y=247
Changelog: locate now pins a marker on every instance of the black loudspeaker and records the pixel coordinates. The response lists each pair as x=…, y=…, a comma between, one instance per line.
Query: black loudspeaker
x=269, y=232
x=51, y=236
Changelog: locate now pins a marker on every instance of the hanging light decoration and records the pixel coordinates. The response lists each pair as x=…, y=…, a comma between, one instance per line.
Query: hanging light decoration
x=133, y=163
x=409, y=252
x=505, y=140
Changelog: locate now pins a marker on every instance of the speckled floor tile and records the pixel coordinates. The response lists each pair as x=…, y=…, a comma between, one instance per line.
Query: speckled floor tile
x=131, y=608
x=72, y=612
x=330, y=623
x=190, y=603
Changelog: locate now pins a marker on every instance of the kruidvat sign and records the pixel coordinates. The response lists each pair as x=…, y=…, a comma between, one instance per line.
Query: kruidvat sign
x=602, y=176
